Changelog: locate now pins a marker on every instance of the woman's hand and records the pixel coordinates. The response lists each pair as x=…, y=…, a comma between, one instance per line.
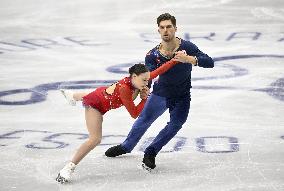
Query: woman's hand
x=144, y=93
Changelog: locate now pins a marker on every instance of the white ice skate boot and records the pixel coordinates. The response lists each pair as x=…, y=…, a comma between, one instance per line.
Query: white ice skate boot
x=65, y=174
x=68, y=94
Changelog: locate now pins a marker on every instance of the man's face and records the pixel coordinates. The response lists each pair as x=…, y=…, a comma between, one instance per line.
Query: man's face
x=167, y=30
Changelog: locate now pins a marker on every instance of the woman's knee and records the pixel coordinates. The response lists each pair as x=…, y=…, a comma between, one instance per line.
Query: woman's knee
x=94, y=141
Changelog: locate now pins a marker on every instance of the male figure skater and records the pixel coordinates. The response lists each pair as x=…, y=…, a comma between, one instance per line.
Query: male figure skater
x=171, y=91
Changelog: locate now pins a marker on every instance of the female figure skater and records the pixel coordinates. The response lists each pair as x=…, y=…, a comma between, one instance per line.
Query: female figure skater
x=103, y=99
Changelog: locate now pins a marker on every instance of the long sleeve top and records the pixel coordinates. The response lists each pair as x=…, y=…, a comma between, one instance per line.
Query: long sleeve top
x=177, y=81
x=123, y=93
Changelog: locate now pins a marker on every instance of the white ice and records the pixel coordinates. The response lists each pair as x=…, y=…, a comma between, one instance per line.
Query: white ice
x=233, y=139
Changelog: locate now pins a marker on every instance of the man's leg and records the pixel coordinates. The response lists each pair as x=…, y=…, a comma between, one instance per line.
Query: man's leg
x=154, y=107
x=178, y=114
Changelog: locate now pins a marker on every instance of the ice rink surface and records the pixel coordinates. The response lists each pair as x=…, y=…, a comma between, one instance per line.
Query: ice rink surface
x=233, y=139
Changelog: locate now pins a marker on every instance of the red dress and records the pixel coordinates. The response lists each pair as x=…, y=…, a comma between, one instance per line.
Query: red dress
x=122, y=95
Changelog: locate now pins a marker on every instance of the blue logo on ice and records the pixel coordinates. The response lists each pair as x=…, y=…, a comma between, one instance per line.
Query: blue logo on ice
x=40, y=92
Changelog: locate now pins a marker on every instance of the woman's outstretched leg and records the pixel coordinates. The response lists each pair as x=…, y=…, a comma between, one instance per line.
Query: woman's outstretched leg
x=78, y=96
x=72, y=97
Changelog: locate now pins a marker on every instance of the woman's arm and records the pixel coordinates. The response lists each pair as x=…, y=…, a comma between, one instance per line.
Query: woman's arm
x=136, y=93
x=127, y=101
x=162, y=69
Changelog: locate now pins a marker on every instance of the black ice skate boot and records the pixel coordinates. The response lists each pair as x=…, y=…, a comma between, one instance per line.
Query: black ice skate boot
x=149, y=162
x=115, y=151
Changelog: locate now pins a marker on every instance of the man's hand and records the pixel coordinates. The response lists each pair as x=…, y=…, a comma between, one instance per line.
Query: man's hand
x=182, y=57
x=144, y=93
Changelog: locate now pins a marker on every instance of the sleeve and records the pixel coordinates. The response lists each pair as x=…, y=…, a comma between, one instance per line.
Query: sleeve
x=203, y=60
x=162, y=69
x=127, y=101
x=150, y=64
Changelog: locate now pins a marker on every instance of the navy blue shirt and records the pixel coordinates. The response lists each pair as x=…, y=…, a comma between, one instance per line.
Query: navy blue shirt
x=177, y=81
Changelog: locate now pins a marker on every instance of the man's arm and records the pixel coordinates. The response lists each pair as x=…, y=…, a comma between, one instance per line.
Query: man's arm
x=202, y=59
x=194, y=57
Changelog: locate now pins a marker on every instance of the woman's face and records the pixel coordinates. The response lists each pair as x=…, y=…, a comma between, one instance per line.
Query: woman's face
x=140, y=81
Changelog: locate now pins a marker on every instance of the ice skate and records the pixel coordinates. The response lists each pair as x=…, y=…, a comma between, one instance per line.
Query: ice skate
x=68, y=94
x=148, y=162
x=65, y=174
x=115, y=151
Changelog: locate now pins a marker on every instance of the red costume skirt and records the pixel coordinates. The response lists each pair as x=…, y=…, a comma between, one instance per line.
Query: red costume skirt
x=98, y=100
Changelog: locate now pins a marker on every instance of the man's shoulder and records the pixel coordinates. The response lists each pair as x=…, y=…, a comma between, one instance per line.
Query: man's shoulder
x=153, y=51
x=187, y=43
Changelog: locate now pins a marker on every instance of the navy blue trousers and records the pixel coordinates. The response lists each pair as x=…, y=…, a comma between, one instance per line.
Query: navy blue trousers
x=155, y=107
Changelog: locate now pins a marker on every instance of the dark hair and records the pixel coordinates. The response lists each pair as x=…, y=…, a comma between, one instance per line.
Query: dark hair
x=166, y=16
x=138, y=69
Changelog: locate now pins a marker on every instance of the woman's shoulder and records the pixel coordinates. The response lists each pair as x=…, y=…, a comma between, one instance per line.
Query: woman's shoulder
x=125, y=84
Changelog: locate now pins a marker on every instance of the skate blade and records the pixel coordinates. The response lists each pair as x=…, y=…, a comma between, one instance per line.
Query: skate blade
x=61, y=179
x=145, y=168
x=70, y=102
x=63, y=93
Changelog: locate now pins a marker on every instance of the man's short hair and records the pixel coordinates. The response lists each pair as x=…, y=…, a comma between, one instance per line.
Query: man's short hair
x=166, y=16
